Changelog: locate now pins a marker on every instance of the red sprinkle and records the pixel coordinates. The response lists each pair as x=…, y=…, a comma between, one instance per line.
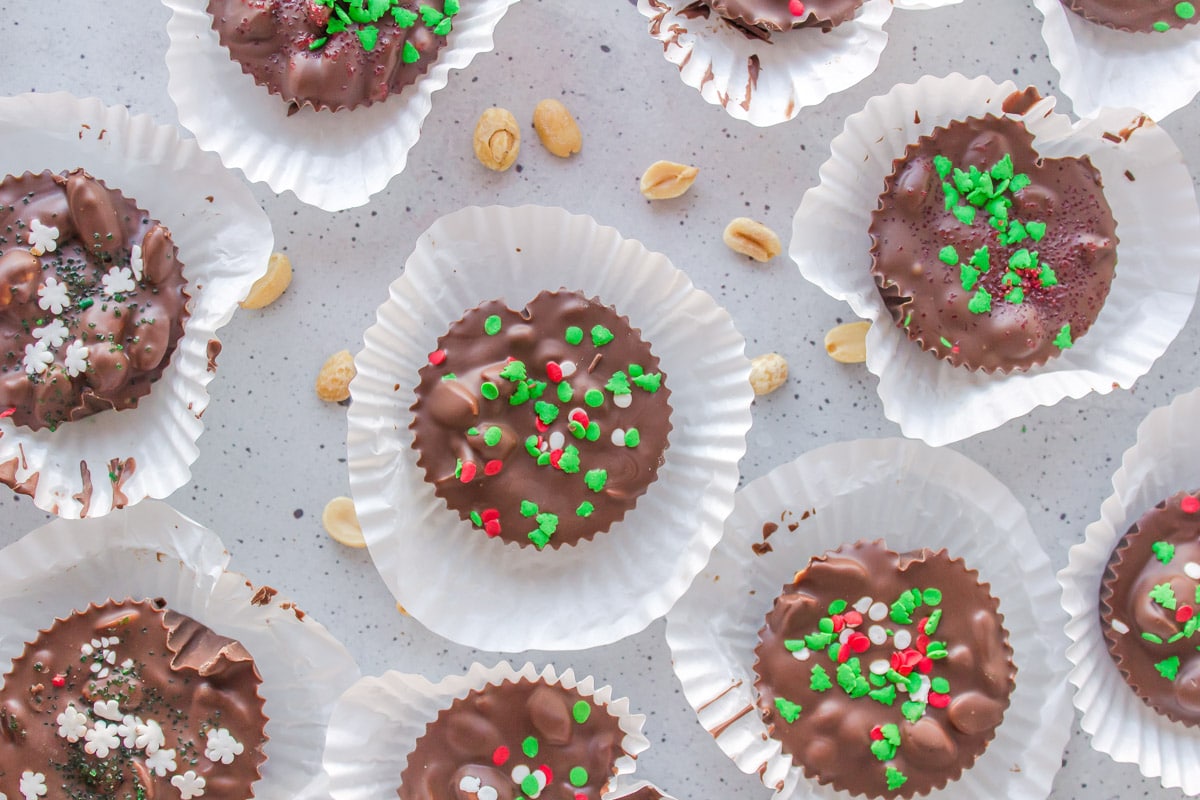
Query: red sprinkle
x=492, y=527
x=838, y=623
x=844, y=653
x=1184, y=613
x=59, y=680
x=493, y=467
x=541, y=426
x=853, y=618
x=796, y=7
x=580, y=796
x=545, y=770
x=580, y=416
x=911, y=658
x=925, y=666
x=898, y=662
x=8, y=412
x=555, y=457
x=500, y=755
x=437, y=357
x=859, y=642
x=1189, y=504
x=468, y=472
x=490, y=514
x=939, y=700
x=877, y=733
x=553, y=371
x=922, y=642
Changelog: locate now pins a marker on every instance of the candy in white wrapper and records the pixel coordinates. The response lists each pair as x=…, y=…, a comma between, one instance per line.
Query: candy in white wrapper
x=1165, y=460
x=152, y=551
x=499, y=596
x=377, y=722
x=331, y=160
x=117, y=458
x=1100, y=67
x=913, y=497
x=1147, y=184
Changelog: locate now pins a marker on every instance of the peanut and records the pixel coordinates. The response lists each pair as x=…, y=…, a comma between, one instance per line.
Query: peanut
x=341, y=522
x=333, y=381
x=269, y=287
x=497, y=139
x=767, y=373
x=664, y=180
x=848, y=343
x=751, y=238
x=557, y=129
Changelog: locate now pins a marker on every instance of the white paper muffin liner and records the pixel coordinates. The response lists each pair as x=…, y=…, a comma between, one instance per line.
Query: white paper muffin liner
x=152, y=551
x=498, y=596
x=1165, y=460
x=911, y=496
x=331, y=160
x=1147, y=183
x=377, y=722
x=1100, y=67
x=224, y=242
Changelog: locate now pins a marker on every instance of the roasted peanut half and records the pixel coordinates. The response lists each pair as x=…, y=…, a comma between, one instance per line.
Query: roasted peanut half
x=848, y=343
x=557, y=129
x=751, y=238
x=664, y=180
x=341, y=522
x=269, y=287
x=767, y=373
x=497, y=139
x=333, y=381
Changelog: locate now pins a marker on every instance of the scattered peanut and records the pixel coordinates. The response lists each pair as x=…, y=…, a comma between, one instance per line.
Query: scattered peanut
x=848, y=343
x=557, y=129
x=341, y=522
x=497, y=139
x=402, y=609
x=751, y=238
x=664, y=180
x=333, y=381
x=269, y=287
x=767, y=373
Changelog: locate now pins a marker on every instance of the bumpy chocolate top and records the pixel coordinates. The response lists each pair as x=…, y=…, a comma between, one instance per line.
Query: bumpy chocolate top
x=92, y=298
x=1148, y=603
x=781, y=15
x=544, y=425
x=516, y=740
x=333, y=54
x=988, y=255
x=884, y=674
x=1136, y=15
x=128, y=701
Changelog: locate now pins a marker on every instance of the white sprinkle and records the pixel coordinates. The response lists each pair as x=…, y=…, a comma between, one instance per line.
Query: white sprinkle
x=877, y=612
x=1192, y=570
x=97, y=643
x=803, y=654
x=487, y=793
x=1120, y=627
x=845, y=635
x=540, y=777
x=622, y=400
x=618, y=437
x=469, y=784
x=921, y=695
x=520, y=772
x=127, y=663
x=568, y=368
x=95, y=667
x=557, y=440
x=110, y=657
x=863, y=605
x=902, y=639
x=102, y=674
x=86, y=649
x=880, y=666
x=877, y=634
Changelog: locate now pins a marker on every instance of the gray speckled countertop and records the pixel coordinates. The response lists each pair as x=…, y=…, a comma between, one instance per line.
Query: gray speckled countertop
x=272, y=454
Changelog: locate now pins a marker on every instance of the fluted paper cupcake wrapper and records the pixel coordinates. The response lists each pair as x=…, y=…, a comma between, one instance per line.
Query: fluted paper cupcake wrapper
x=377, y=722
x=224, y=242
x=1099, y=67
x=913, y=497
x=331, y=160
x=498, y=596
x=1147, y=183
x=1165, y=460
x=153, y=551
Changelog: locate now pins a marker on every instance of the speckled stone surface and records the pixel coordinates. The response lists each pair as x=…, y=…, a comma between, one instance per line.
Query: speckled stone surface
x=272, y=454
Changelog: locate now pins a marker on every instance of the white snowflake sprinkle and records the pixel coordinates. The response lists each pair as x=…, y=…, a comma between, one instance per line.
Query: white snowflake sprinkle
x=53, y=296
x=135, y=262
x=33, y=785
x=54, y=333
x=101, y=739
x=161, y=761
x=108, y=709
x=189, y=785
x=72, y=724
x=222, y=746
x=118, y=280
x=76, y=363
x=149, y=736
x=127, y=730
x=42, y=238
x=38, y=357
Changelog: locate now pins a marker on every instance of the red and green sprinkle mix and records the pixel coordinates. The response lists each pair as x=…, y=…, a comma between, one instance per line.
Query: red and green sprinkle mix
x=362, y=17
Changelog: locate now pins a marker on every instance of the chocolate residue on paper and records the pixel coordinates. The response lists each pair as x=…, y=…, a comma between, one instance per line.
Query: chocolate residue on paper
x=84, y=497
x=263, y=596
x=214, y=350
x=118, y=472
x=1021, y=100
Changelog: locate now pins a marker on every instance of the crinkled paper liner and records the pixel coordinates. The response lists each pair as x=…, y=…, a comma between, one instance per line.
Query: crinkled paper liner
x=1165, y=460
x=912, y=496
x=498, y=596
x=152, y=551
x=1147, y=183
x=331, y=160
x=1100, y=67
x=224, y=242
x=376, y=724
